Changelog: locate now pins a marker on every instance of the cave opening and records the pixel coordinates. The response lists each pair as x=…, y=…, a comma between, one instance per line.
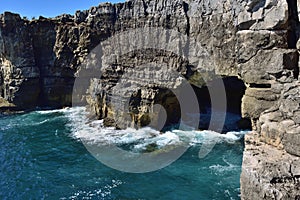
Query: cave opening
x=234, y=89
x=170, y=112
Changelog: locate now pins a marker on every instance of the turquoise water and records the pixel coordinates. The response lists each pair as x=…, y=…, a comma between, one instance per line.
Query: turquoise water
x=42, y=157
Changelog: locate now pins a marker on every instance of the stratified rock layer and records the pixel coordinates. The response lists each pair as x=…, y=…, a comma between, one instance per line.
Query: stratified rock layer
x=255, y=41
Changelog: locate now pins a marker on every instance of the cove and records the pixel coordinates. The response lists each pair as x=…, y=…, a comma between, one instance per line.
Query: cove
x=43, y=158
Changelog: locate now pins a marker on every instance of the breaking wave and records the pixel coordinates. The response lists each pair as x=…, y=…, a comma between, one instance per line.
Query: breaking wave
x=139, y=140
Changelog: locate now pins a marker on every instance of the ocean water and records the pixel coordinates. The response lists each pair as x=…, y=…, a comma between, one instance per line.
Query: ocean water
x=42, y=156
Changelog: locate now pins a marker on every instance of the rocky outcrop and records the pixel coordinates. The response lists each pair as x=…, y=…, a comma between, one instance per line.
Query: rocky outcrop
x=268, y=172
x=271, y=157
x=26, y=54
x=39, y=58
x=255, y=41
x=17, y=61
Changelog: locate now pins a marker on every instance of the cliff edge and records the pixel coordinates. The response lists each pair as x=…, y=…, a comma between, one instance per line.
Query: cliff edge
x=254, y=41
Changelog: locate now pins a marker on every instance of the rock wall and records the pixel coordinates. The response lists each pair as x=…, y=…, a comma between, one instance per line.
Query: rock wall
x=31, y=75
x=39, y=58
x=253, y=40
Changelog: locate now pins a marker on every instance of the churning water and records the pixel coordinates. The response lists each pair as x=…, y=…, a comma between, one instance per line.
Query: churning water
x=42, y=157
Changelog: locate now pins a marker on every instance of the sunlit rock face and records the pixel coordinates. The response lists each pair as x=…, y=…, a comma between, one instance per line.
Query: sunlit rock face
x=252, y=40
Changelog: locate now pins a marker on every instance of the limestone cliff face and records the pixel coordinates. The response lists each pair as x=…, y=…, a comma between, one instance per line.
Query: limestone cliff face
x=31, y=74
x=253, y=40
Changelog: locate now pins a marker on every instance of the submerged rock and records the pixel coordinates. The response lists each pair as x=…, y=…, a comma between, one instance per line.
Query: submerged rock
x=151, y=147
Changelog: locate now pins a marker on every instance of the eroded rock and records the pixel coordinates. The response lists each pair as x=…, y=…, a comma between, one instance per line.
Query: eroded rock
x=255, y=41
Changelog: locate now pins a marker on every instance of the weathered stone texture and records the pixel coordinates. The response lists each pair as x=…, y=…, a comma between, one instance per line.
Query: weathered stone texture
x=269, y=173
x=253, y=40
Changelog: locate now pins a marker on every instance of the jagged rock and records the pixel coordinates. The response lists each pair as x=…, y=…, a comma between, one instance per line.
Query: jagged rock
x=253, y=40
x=20, y=85
x=250, y=42
x=264, y=15
x=268, y=173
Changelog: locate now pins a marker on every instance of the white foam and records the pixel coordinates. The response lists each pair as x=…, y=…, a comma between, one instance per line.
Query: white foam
x=95, y=132
x=42, y=122
x=220, y=169
x=168, y=138
x=54, y=111
x=228, y=167
x=104, y=192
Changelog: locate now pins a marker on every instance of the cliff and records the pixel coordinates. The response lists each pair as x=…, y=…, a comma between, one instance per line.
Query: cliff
x=254, y=41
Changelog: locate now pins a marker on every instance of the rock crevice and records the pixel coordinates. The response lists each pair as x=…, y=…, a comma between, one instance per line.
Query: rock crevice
x=255, y=41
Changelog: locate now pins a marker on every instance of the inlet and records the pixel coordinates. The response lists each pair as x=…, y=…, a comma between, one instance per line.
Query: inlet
x=171, y=108
x=235, y=90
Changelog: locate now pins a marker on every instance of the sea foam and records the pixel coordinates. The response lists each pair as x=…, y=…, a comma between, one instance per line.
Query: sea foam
x=94, y=132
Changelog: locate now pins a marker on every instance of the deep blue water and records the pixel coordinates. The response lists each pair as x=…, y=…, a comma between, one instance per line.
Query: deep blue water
x=42, y=159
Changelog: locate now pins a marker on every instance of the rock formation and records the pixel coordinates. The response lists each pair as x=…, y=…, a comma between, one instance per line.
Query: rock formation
x=253, y=40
